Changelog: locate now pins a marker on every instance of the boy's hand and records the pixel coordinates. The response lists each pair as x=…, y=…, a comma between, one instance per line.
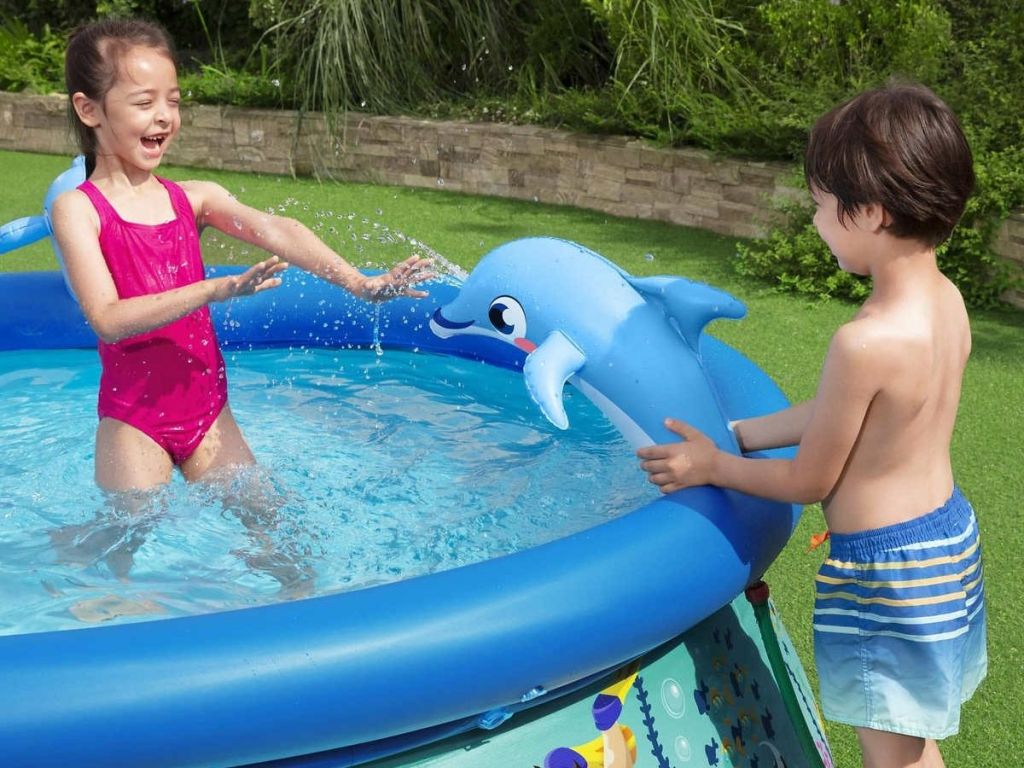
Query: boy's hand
x=398, y=281
x=672, y=466
x=259, y=277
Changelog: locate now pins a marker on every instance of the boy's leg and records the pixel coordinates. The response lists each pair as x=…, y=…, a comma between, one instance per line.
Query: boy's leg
x=882, y=749
x=222, y=446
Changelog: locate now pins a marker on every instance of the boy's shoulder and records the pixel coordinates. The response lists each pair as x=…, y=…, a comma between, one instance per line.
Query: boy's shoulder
x=875, y=341
x=864, y=330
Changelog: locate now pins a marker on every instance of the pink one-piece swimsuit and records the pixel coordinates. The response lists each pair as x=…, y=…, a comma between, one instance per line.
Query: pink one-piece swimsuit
x=168, y=383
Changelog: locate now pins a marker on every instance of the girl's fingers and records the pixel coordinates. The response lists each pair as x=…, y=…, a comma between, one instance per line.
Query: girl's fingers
x=264, y=285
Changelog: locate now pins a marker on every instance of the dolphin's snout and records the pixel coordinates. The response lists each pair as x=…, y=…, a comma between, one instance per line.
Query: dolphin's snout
x=445, y=328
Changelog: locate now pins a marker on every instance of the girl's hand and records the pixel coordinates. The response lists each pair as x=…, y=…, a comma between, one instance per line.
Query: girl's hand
x=672, y=466
x=258, y=277
x=398, y=281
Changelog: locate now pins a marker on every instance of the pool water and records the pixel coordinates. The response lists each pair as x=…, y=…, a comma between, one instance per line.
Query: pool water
x=373, y=468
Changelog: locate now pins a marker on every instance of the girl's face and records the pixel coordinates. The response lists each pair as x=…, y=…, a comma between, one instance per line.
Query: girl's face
x=139, y=115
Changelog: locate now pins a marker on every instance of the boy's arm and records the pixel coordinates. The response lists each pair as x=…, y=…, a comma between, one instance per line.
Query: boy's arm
x=294, y=242
x=850, y=380
x=774, y=430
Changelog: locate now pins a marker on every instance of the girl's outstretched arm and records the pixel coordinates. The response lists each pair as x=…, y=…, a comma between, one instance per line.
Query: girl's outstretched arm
x=76, y=227
x=294, y=242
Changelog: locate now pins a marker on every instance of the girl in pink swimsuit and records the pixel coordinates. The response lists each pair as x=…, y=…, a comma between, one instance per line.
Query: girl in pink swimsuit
x=130, y=242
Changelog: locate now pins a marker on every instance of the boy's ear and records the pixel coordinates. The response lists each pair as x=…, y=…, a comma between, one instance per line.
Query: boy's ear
x=874, y=217
x=86, y=109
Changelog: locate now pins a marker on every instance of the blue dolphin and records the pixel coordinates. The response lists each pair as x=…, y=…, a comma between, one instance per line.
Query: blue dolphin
x=27, y=230
x=630, y=344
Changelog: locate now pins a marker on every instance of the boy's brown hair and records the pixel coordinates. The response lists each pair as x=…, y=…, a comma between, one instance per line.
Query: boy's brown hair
x=899, y=146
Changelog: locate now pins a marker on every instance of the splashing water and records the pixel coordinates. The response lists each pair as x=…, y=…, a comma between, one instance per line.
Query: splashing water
x=361, y=241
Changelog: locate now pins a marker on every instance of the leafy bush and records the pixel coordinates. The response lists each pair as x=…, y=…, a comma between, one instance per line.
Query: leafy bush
x=794, y=258
x=971, y=74
x=229, y=20
x=226, y=85
x=388, y=55
x=565, y=47
x=740, y=78
x=30, y=63
x=673, y=60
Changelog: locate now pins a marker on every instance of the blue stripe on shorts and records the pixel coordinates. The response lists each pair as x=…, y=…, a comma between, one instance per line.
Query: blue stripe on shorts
x=899, y=623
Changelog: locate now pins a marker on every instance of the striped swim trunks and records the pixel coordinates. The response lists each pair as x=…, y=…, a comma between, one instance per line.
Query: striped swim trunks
x=899, y=623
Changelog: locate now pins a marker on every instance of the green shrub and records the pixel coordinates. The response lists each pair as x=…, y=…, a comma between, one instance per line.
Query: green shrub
x=793, y=257
x=565, y=47
x=740, y=78
x=968, y=56
x=226, y=85
x=389, y=55
x=229, y=20
x=28, y=63
x=968, y=258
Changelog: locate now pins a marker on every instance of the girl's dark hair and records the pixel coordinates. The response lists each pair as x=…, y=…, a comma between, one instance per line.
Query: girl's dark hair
x=91, y=64
x=899, y=146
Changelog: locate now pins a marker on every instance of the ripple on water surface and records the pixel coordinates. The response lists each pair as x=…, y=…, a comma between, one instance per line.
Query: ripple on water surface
x=372, y=469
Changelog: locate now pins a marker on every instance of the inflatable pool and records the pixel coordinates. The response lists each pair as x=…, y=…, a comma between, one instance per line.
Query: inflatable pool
x=346, y=678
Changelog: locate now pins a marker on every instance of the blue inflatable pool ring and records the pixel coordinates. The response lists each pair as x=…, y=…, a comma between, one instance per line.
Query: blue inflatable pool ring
x=348, y=677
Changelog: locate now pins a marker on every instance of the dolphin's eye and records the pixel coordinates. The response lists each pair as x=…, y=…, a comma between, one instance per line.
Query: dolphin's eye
x=506, y=314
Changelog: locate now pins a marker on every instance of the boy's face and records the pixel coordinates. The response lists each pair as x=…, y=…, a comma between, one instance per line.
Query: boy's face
x=851, y=241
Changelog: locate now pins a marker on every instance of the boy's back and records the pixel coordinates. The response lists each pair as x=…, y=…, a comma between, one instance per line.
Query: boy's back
x=911, y=340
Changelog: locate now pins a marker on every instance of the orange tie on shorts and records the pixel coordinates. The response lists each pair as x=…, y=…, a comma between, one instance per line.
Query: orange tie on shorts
x=817, y=539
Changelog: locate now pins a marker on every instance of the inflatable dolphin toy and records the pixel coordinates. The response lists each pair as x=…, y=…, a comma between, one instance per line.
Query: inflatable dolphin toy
x=630, y=344
x=29, y=229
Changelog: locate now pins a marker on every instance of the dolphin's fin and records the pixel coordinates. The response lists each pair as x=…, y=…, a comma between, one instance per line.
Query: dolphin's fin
x=547, y=369
x=22, y=232
x=691, y=305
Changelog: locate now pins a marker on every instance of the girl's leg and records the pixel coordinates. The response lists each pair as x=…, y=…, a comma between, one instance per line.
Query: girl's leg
x=129, y=465
x=224, y=460
x=222, y=447
x=881, y=749
x=129, y=460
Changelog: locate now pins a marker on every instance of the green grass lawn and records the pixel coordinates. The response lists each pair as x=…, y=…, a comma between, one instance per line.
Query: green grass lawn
x=787, y=336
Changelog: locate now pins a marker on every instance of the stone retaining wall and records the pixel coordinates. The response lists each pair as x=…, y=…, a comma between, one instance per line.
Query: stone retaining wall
x=620, y=176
